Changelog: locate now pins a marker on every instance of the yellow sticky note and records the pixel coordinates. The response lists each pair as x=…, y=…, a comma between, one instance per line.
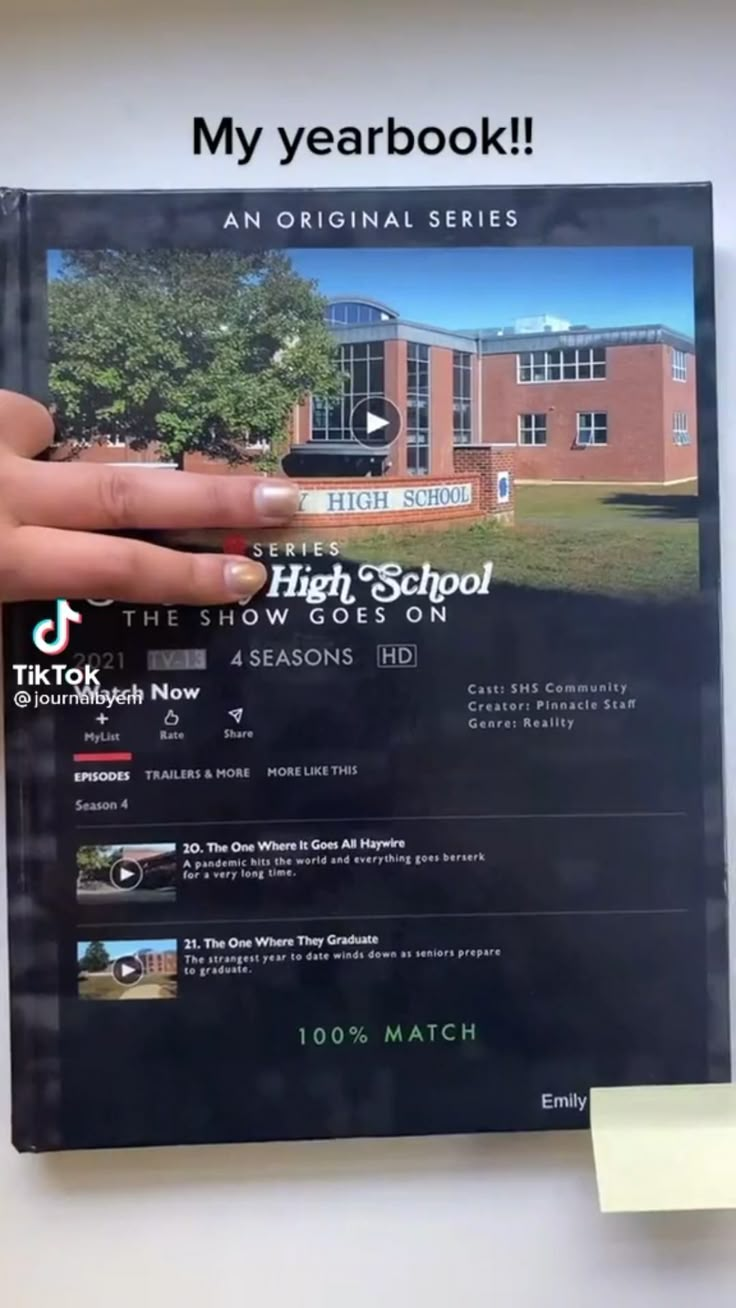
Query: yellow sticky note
x=664, y=1148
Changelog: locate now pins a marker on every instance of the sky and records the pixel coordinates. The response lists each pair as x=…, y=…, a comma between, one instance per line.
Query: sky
x=123, y=948
x=492, y=286
x=130, y=850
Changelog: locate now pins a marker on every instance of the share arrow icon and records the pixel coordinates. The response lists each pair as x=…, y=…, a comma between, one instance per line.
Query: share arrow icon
x=236, y=715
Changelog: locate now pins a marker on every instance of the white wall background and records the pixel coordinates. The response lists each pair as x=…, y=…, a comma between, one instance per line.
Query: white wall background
x=100, y=93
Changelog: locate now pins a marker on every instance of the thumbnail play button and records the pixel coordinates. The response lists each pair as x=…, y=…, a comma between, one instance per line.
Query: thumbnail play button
x=375, y=422
x=126, y=874
x=127, y=970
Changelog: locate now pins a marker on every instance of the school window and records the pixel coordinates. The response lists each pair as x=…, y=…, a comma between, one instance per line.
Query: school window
x=585, y=364
x=532, y=429
x=362, y=367
x=348, y=313
x=680, y=433
x=679, y=365
x=592, y=429
x=462, y=386
x=417, y=409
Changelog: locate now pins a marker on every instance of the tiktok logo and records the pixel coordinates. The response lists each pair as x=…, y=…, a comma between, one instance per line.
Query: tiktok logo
x=51, y=635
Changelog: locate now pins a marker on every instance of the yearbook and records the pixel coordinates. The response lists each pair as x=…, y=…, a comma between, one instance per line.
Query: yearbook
x=428, y=837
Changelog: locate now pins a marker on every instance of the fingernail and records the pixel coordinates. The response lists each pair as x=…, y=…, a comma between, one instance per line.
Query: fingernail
x=244, y=577
x=276, y=500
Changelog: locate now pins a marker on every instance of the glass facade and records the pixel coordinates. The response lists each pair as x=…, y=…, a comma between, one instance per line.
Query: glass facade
x=462, y=397
x=349, y=313
x=417, y=409
x=363, y=370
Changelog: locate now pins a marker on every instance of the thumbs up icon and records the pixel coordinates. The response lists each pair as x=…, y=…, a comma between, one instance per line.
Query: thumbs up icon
x=171, y=719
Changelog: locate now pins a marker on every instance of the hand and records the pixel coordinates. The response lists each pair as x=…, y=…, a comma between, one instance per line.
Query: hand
x=48, y=512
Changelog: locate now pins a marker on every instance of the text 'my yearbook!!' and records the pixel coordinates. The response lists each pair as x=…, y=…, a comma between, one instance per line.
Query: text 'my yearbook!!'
x=428, y=837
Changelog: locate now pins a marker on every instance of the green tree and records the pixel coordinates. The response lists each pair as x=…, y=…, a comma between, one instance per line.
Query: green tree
x=94, y=861
x=95, y=958
x=199, y=351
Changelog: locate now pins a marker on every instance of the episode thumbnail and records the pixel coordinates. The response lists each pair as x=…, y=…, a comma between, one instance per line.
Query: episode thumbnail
x=127, y=969
x=140, y=873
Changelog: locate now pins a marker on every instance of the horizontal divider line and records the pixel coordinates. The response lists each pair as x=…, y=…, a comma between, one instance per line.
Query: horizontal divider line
x=387, y=917
x=359, y=821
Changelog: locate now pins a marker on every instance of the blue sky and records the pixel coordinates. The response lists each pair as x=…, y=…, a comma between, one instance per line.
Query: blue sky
x=122, y=948
x=492, y=286
x=130, y=850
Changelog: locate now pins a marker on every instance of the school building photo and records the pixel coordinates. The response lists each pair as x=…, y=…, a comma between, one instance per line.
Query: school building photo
x=451, y=392
x=127, y=969
x=573, y=403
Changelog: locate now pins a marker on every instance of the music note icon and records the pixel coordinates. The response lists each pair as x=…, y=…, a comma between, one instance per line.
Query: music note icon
x=51, y=635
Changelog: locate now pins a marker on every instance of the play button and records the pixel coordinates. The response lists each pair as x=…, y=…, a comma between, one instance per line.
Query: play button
x=126, y=874
x=127, y=970
x=375, y=422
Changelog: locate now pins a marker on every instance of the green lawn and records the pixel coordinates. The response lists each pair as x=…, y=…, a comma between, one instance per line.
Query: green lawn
x=102, y=985
x=603, y=539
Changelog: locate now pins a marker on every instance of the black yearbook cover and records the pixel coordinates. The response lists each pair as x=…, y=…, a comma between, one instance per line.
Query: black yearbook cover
x=428, y=837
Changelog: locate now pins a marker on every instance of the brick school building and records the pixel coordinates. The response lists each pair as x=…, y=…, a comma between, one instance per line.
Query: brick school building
x=568, y=403
x=477, y=410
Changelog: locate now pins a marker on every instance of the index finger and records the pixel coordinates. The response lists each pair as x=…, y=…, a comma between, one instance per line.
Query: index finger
x=98, y=497
x=26, y=427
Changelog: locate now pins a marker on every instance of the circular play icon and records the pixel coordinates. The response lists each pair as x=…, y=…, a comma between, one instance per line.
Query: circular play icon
x=126, y=874
x=375, y=422
x=127, y=970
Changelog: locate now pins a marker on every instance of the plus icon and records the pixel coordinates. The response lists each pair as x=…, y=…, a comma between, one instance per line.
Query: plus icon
x=101, y=718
